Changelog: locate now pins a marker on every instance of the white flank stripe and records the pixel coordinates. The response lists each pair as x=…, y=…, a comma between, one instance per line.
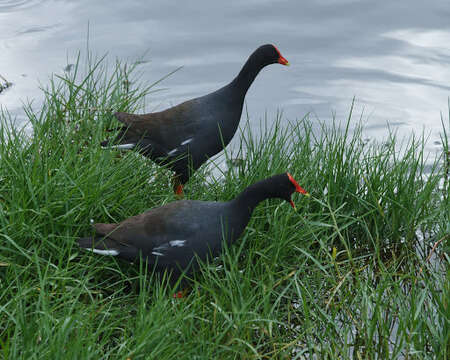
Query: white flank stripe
x=104, y=252
x=187, y=141
x=157, y=253
x=122, y=146
x=171, y=152
x=163, y=247
x=177, y=243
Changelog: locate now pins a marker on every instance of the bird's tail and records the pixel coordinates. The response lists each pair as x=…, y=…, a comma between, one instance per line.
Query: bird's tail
x=123, y=140
x=106, y=246
x=101, y=246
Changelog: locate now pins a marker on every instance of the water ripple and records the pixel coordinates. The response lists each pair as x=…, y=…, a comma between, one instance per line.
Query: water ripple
x=16, y=5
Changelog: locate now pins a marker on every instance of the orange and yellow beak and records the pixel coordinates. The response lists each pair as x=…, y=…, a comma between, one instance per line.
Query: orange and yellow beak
x=283, y=61
x=298, y=189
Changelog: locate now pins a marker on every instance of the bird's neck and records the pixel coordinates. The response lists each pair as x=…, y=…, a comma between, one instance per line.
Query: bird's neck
x=247, y=75
x=252, y=196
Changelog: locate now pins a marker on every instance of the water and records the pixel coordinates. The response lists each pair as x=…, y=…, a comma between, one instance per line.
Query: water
x=392, y=56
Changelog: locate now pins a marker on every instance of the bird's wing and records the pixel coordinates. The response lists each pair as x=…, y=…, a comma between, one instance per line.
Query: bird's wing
x=150, y=229
x=173, y=122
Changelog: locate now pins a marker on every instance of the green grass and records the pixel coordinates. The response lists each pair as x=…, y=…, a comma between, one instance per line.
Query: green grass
x=346, y=276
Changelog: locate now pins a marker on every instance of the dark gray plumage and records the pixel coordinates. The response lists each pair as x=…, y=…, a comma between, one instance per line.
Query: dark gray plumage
x=169, y=237
x=185, y=136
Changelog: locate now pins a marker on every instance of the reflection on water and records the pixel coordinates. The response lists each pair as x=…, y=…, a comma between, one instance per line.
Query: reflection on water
x=392, y=56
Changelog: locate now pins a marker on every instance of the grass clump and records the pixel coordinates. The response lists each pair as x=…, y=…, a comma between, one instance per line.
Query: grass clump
x=349, y=275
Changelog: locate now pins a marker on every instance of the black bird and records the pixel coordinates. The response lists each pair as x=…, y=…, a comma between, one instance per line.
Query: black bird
x=171, y=236
x=186, y=135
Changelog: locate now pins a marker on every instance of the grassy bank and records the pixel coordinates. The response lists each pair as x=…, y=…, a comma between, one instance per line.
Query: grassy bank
x=351, y=274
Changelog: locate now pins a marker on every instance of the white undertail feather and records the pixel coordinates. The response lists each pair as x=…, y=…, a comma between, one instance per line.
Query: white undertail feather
x=121, y=146
x=157, y=253
x=103, y=252
x=171, y=152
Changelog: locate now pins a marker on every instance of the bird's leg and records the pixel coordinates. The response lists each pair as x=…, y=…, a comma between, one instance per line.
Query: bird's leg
x=181, y=294
x=179, y=190
x=177, y=186
x=178, y=295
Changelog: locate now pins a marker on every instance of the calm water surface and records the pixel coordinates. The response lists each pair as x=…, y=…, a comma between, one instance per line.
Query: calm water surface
x=394, y=57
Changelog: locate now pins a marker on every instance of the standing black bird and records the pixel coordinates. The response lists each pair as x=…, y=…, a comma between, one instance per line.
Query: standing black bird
x=171, y=236
x=185, y=136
